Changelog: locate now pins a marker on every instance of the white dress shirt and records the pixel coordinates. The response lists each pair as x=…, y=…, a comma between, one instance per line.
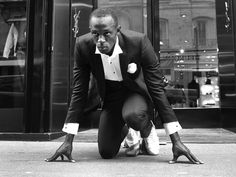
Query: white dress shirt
x=111, y=65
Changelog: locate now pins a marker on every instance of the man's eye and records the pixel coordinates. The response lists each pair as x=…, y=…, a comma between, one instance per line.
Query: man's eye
x=95, y=34
x=107, y=34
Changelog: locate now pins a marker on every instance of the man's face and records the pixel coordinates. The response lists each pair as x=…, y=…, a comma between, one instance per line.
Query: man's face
x=104, y=33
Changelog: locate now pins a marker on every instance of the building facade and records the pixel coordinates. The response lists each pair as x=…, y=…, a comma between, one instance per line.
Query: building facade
x=194, y=40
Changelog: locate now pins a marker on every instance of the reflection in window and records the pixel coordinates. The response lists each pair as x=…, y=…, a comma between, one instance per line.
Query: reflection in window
x=164, y=42
x=132, y=14
x=190, y=60
x=203, y=28
x=12, y=52
x=200, y=33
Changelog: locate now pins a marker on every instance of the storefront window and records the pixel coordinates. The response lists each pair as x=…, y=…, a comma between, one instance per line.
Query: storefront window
x=12, y=52
x=188, y=46
x=189, y=52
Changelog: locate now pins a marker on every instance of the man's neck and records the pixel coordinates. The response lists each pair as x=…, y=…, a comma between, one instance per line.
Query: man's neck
x=111, y=51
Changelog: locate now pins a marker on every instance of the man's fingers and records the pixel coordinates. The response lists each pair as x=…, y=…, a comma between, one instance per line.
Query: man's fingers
x=70, y=158
x=196, y=159
x=191, y=159
x=190, y=156
x=174, y=160
x=53, y=158
x=56, y=155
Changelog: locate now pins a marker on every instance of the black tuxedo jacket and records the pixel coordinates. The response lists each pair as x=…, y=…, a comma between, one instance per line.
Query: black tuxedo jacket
x=147, y=80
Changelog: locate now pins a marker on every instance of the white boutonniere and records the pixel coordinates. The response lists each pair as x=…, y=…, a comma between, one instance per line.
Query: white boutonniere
x=132, y=68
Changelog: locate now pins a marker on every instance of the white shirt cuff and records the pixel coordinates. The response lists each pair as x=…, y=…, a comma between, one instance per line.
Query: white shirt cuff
x=71, y=128
x=172, y=127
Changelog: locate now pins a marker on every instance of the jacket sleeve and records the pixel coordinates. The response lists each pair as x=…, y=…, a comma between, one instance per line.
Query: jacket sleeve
x=81, y=74
x=153, y=78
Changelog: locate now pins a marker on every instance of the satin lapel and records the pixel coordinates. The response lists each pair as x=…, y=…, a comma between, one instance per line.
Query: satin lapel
x=124, y=61
x=98, y=65
x=99, y=72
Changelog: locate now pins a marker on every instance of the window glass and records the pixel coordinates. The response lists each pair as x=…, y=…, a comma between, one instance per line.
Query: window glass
x=132, y=14
x=189, y=52
x=12, y=52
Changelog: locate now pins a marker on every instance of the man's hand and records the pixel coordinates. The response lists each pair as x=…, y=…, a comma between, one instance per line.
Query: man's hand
x=180, y=149
x=64, y=150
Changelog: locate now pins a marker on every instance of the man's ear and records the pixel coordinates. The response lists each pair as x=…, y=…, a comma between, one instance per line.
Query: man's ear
x=118, y=28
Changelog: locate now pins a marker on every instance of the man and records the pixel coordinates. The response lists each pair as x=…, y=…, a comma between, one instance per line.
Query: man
x=130, y=84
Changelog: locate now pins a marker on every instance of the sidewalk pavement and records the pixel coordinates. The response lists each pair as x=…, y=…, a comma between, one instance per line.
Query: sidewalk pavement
x=26, y=159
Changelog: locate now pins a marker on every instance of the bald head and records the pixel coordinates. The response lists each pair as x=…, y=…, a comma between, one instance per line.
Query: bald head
x=104, y=12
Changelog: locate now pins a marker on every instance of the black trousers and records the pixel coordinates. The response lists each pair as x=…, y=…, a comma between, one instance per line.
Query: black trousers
x=121, y=107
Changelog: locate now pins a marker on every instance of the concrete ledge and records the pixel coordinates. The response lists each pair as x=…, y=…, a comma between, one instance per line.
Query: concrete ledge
x=30, y=136
x=196, y=135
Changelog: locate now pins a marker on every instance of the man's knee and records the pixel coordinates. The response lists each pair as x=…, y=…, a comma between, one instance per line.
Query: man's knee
x=136, y=119
x=107, y=154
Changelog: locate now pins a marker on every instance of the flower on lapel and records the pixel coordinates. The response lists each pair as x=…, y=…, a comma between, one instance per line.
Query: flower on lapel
x=132, y=68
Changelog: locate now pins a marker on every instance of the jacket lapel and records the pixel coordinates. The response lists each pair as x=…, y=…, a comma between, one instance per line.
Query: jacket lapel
x=124, y=59
x=98, y=64
x=99, y=72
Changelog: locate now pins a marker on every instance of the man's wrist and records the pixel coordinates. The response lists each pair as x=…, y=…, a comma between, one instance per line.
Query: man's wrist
x=172, y=127
x=71, y=128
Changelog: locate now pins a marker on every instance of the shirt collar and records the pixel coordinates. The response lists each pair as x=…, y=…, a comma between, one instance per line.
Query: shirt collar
x=117, y=50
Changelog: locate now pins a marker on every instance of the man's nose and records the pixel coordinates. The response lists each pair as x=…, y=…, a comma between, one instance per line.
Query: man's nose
x=101, y=38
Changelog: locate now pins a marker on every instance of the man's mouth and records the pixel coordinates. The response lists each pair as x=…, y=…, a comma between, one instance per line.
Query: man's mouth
x=102, y=48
